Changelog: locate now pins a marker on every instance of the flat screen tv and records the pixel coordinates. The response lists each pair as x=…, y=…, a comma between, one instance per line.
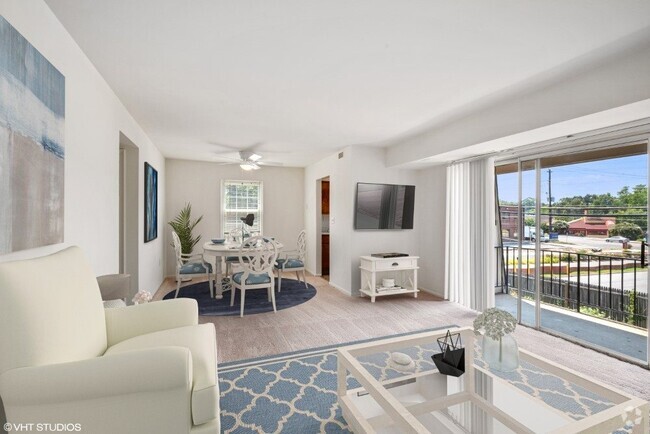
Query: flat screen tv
x=384, y=206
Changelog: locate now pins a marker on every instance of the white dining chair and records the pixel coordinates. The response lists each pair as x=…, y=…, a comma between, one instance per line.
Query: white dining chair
x=293, y=260
x=256, y=257
x=190, y=265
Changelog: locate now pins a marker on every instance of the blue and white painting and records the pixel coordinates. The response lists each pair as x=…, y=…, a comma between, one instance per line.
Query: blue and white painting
x=32, y=152
x=150, y=203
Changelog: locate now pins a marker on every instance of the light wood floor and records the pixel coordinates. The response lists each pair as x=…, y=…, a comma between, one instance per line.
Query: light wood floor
x=334, y=318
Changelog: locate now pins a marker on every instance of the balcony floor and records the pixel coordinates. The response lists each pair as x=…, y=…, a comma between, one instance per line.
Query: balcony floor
x=614, y=337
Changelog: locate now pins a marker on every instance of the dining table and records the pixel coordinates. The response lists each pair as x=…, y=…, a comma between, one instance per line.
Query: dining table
x=216, y=254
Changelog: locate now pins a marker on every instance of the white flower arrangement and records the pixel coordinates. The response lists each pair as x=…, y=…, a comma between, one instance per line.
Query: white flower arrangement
x=494, y=323
x=141, y=297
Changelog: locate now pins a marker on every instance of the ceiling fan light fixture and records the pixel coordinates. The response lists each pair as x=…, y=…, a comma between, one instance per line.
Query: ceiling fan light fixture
x=249, y=166
x=255, y=157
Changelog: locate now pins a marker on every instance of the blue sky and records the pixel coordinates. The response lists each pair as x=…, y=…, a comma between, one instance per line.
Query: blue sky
x=607, y=176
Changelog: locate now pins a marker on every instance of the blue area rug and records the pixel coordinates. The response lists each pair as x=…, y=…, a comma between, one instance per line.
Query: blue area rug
x=296, y=392
x=293, y=293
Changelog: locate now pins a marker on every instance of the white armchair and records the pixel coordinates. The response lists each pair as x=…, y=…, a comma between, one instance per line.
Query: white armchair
x=64, y=359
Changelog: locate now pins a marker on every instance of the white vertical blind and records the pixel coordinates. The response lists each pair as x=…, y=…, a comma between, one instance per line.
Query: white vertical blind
x=471, y=234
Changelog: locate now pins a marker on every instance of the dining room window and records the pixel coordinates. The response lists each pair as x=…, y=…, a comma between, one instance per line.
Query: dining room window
x=239, y=199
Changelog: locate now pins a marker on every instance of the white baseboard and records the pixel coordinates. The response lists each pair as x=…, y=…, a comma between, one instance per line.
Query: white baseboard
x=344, y=291
x=432, y=292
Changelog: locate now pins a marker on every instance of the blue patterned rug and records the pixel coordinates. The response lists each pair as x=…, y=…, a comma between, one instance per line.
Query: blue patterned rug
x=293, y=293
x=296, y=392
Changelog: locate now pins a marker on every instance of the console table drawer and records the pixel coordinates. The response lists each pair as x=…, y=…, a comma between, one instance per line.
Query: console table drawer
x=391, y=263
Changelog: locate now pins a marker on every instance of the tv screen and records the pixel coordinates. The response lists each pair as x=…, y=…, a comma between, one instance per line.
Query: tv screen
x=384, y=206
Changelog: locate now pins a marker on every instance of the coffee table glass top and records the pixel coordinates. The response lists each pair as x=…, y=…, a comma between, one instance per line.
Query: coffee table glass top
x=533, y=396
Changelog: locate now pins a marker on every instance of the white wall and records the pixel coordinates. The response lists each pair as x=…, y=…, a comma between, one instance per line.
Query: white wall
x=430, y=221
x=94, y=119
x=359, y=164
x=199, y=183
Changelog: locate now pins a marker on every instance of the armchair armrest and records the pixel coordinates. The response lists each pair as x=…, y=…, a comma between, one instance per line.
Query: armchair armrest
x=134, y=391
x=127, y=322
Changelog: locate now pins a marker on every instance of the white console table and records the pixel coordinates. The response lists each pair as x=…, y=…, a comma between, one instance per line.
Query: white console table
x=403, y=269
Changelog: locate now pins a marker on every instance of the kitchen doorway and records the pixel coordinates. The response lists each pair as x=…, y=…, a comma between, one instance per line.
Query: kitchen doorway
x=325, y=228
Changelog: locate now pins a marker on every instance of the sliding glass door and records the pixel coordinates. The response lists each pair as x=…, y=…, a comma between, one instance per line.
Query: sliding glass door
x=573, y=252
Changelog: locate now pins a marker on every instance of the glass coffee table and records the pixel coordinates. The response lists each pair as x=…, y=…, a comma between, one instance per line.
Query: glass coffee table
x=378, y=395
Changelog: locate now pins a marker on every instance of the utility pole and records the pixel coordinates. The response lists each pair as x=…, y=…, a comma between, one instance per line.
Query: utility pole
x=550, y=203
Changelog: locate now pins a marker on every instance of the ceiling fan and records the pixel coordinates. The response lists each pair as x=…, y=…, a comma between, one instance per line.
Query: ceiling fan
x=248, y=159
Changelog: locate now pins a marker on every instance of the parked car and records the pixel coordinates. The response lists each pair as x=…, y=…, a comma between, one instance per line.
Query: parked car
x=617, y=239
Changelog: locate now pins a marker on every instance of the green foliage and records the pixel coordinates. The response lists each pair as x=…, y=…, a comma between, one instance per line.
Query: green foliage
x=631, y=309
x=627, y=230
x=528, y=204
x=183, y=226
x=529, y=221
x=635, y=199
x=592, y=311
x=560, y=226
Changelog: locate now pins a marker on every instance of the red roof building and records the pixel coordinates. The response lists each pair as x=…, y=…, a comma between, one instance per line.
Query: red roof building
x=592, y=226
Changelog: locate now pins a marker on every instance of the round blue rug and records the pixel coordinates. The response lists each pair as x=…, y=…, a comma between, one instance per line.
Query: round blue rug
x=293, y=293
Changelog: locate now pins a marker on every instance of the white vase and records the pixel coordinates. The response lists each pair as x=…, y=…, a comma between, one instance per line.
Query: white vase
x=501, y=355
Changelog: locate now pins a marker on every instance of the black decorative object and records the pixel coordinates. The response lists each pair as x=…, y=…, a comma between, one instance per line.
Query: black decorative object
x=451, y=359
x=249, y=219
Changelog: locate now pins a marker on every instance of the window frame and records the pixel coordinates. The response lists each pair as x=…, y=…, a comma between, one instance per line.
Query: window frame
x=224, y=183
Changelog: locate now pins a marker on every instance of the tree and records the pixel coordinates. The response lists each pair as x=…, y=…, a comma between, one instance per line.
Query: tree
x=627, y=230
x=561, y=227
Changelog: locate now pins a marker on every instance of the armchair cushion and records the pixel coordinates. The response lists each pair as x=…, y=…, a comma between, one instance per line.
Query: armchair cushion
x=51, y=311
x=252, y=279
x=131, y=321
x=289, y=263
x=201, y=341
x=195, y=268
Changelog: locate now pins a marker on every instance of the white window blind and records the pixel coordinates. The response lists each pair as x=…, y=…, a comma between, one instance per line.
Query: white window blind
x=239, y=199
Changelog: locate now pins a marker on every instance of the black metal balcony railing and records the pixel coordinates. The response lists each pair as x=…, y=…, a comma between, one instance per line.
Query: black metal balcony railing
x=610, y=287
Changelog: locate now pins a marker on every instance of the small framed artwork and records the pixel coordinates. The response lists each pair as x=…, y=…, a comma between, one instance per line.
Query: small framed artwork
x=150, y=203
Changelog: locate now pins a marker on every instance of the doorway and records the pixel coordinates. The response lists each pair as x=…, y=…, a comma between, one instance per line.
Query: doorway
x=323, y=227
x=128, y=218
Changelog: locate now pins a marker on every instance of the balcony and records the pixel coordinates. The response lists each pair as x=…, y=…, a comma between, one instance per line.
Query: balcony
x=597, y=299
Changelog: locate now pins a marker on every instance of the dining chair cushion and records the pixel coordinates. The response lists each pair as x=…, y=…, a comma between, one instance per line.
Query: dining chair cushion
x=253, y=279
x=289, y=263
x=195, y=268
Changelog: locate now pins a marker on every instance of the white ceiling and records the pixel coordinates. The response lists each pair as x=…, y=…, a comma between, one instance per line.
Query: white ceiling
x=300, y=79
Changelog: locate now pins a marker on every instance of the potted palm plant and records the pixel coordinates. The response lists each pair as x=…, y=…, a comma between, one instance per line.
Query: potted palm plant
x=183, y=226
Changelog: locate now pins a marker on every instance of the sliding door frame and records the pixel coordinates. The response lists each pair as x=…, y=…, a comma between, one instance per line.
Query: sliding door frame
x=609, y=143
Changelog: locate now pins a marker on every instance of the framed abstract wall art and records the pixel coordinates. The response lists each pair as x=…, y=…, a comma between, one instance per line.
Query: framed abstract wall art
x=150, y=203
x=32, y=151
